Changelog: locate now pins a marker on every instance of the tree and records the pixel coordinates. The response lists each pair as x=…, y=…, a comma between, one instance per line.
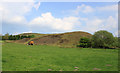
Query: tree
x=10, y=37
x=17, y=37
x=22, y=37
x=102, y=39
x=84, y=42
x=6, y=37
x=116, y=42
x=0, y=37
x=13, y=37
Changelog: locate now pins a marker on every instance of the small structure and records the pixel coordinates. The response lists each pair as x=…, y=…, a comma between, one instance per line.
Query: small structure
x=31, y=43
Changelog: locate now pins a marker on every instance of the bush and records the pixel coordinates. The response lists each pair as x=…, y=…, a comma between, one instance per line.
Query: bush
x=84, y=42
x=31, y=36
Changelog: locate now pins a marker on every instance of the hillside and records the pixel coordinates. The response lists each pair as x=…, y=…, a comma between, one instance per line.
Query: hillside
x=69, y=39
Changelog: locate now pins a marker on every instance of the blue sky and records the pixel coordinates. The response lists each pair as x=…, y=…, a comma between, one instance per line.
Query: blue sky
x=62, y=9
x=59, y=17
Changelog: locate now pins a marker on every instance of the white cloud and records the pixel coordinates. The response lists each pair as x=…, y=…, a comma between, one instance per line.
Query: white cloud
x=84, y=9
x=111, y=23
x=95, y=24
x=116, y=33
x=14, y=12
x=16, y=8
x=0, y=23
x=61, y=0
x=27, y=32
x=17, y=0
x=92, y=25
x=36, y=6
x=18, y=20
x=108, y=8
x=16, y=33
x=89, y=9
x=47, y=20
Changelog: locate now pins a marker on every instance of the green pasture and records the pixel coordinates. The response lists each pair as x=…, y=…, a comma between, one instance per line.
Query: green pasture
x=19, y=57
x=1, y=41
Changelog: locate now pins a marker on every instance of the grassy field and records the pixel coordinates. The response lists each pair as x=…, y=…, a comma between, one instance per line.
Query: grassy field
x=19, y=57
x=1, y=41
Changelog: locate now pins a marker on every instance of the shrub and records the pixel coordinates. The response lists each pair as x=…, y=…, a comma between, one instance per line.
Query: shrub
x=84, y=42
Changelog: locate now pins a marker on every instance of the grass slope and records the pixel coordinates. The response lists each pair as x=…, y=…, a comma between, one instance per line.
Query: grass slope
x=69, y=39
x=19, y=57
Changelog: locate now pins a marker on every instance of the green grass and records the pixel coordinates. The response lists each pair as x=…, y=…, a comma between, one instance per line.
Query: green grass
x=19, y=57
x=1, y=41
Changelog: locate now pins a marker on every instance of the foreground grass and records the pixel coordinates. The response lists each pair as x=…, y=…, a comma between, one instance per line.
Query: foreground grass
x=19, y=57
x=1, y=41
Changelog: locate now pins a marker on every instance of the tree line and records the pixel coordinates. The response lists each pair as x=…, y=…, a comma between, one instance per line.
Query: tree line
x=16, y=37
x=100, y=39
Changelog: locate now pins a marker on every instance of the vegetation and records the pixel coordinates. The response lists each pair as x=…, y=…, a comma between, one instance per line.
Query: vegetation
x=44, y=57
x=20, y=57
x=100, y=39
x=16, y=37
x=85, y=42
x=0, y=37
x=68, y=39
x=6, y=37
x=104, y=39
x=116, y=42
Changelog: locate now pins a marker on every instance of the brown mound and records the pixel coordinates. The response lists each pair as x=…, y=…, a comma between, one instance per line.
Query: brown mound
x=65, y=39
x=50, y=39
x=22, y=40
x=70, y=39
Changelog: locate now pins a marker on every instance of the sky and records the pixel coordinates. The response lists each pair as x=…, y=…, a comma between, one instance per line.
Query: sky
x=58, y=17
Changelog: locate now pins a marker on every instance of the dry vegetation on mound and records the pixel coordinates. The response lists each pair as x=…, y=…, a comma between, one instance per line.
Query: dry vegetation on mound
x=69, y=39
